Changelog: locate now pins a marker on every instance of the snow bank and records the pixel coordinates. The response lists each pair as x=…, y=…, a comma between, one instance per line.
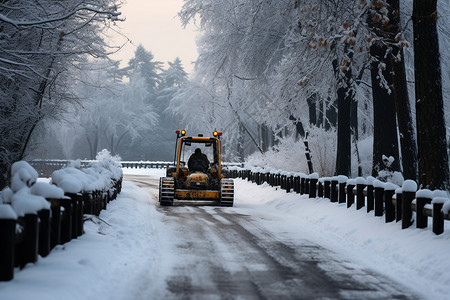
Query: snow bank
x=100, y=175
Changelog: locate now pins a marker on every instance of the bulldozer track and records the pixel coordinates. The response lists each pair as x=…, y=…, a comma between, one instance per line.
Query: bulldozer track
x=227, y=192
x=167, y=191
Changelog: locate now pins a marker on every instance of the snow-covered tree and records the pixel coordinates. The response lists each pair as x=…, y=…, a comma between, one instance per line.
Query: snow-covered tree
x=40, y=42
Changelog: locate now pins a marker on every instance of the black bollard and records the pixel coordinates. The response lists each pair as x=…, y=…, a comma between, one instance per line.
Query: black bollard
x=44, y=232
x=8, y=240
x=379, y=193
x=438, y=216
x=320, y=189
x=409, y=193
x=31, y=239
x=326, y=188
x=350, y=195
x=398, y=204
x=389, y=206
x=66, y=221
x=423, y=197
x=333, y=190
x=313, y=187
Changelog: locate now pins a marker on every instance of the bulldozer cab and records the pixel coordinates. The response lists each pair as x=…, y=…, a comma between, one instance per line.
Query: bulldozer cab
x=186, y=146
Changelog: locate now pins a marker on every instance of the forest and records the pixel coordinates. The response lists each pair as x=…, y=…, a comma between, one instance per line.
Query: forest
x=364, y=84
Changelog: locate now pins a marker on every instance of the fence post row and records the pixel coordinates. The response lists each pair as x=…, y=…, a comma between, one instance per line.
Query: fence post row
x=40, y=232
x=395, y=203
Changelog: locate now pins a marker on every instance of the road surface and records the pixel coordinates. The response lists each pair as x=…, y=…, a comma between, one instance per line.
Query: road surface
x=224, y=253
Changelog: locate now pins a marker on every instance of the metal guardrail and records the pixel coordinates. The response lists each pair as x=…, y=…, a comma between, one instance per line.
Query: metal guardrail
x=45, y=167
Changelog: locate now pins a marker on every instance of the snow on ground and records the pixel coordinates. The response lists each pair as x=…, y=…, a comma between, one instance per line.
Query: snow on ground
x=111, y=260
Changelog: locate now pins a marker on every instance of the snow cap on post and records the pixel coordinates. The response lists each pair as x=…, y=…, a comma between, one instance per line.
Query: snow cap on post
x=361, y=180
x=22, y=175
x=7, y=212
x=378, y=184
x=47, y=191
x=314, y=176
x=389, y=186
x=25, y=203
x=342, y=178
x=424, y=193
x=409, y=186
x=370, y=180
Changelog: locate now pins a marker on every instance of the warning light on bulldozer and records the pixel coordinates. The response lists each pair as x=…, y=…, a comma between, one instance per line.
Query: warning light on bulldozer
x=217, y=134
x=180, y=133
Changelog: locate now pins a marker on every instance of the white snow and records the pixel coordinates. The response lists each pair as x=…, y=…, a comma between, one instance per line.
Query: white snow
x=378, y=184
x=24, y=203
x=6, y=212
x=361, y=180
x=389, y=186
x=47, y=191
x=424, y=193
x=124, y=253
x=409, y=186
x=342, y=178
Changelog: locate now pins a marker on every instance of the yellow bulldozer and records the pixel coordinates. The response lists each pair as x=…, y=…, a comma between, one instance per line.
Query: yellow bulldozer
x=201, y=180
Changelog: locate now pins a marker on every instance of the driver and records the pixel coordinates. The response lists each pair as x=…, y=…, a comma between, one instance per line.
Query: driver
x=198, y=161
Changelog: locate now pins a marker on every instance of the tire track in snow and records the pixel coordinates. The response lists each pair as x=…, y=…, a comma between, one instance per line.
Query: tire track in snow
x=224, y=254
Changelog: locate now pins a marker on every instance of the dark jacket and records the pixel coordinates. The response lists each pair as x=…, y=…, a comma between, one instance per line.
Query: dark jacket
x=198, y=162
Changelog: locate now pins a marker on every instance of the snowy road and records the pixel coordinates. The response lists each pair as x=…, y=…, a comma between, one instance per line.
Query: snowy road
x=228, y=253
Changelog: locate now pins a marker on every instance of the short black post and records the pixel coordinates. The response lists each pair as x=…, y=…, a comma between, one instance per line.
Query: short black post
x=75, y=214
x=326, y=188
x=379, y=192
x=313, y=187
x=44, y=232
x=342, y=196
x=389, y=206
x=88, y=209
x=302, y=185
x=288, y=184
x=350, y=195
x=361, y=184
x=31, y=239
x=307, y=182
x=320, y=189
x=333, y=190
x=423, y=197
x=398, y=204
x=408, y=198
x=438, y=216
x=66, y=222
x=55, y=231
x=297, y=184
x=370, y=198
x=8, y=241
x=409, y=189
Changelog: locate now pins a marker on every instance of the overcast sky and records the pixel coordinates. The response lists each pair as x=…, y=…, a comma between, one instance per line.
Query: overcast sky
x=155, y=25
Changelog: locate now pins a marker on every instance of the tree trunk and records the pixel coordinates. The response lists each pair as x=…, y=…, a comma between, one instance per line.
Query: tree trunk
x=405, y=123
x=343, y=156
x=240, y=143
x=385, y=139
x=331, y=115
x=431, y=131
x=312, y=100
